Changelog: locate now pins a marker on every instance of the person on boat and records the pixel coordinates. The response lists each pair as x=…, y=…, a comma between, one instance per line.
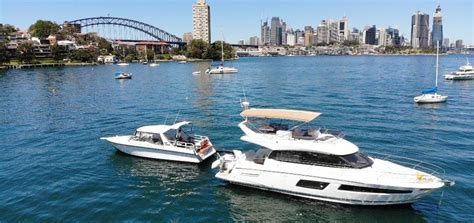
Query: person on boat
x=179, y=135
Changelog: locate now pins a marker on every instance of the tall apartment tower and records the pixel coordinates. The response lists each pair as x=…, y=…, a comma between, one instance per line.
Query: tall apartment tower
x=308, y=35
x=437, y=32
x=202, y=21
x=343, y=29
x=276, y=31
x=420, y=32
x=264, y=33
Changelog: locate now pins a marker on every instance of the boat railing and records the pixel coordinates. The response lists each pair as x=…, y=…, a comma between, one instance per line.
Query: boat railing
x=186, y=145
x=423, y=166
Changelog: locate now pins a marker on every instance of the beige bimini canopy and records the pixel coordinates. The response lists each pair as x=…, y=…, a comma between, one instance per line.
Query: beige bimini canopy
x=295, y=115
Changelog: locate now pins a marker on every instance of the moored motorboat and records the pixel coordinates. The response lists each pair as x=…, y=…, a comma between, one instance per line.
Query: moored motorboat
x=320, y=164
x=123, y=75
x=465, y=72
x=165, y=142
x=122, y=64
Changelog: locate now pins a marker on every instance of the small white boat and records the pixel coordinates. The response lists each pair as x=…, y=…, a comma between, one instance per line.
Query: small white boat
x=431, y=95
x=154, y=64
x=182, y=61
x=197, y=72
x=122, y=64
x=314, y=163
x=222, y=70
x=165, y=142
x=465, y=72
x=123, y=75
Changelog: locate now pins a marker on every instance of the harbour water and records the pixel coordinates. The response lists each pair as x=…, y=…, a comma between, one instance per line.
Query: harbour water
x=54, y=167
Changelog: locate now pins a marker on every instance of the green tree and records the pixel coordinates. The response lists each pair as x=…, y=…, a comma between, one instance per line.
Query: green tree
x=25, y=52
x=4, y=58
x=85, y=55
x=197, y=49
x=44, y=28
x=58, y=52
x=214, y=51
x=104, y=46
x=6, y=29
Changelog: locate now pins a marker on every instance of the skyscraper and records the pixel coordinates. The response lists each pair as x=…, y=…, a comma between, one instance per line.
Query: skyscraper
x=437, y=33
x=265, y=33
x=202, y=21
x=276, y=31
x=446, y=43
x=343, y=29
x=394, y=34
x=370, y=35
x=308, y=35
x=253, y=40
x=420, y=30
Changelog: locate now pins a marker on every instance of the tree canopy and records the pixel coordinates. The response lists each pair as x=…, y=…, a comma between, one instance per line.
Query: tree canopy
x=197, y=48
x=44, y=28
x=25, y=52
x=214, y=51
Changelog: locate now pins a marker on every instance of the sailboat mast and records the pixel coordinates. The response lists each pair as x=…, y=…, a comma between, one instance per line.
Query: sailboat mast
x=222, y=50
x=437, y=66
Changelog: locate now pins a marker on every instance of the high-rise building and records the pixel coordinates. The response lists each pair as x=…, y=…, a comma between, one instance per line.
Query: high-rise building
x=394, y=34
x=437, y=32
x=445, y=43
x=290, y=39
x=459, y=44
x=369, y=35
x=327, y=31
x=299, y=36
x=343, y=29
x=276, y=31
x=308, y=35
x=265, y=33
x=187, y=37
x=420, y=30
x=202, y=21
x=383, y=37
x=253, y=40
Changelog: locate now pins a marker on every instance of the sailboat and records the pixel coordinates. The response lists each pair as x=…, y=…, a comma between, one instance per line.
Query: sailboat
x=431, y=95
x=154, y=64
x=221, y=69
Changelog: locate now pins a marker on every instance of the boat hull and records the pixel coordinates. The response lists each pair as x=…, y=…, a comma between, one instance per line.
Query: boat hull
x=162, y=154
x=429, y=98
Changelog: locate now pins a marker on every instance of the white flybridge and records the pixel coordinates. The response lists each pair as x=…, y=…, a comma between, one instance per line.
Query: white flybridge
x=221, y=69
x=319, y=164
x=465, y=72
x=165, y=142
x=431, y=95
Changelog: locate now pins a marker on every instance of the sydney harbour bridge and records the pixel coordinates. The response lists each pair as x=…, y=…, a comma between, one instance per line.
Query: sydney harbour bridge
x=122, y=29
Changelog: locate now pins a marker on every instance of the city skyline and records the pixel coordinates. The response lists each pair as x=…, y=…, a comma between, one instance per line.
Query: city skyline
x=176, y=17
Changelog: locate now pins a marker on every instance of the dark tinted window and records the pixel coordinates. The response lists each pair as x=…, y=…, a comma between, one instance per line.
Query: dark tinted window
x=312, y=184
x=372, y=190
x=308, y=158
x=358, y=160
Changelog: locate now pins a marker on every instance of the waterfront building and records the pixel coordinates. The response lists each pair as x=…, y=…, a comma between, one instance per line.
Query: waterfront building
x=437, y=32
x=459, y=44
x=394, y=35
x=283, y=33
x=299, y=36
x=446, y=43
x=290, y=39
x=202, y=21
x=253, y=41
x=187, y=37
x=383, y=37
x=277, y=27
x=327, y=32
x=419, y=30
x=343, y=29
x=369, y=35
x=265, y=33
x=308, y=35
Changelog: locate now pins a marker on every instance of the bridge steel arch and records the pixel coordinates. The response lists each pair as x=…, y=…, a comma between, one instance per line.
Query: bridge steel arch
x=150, y=30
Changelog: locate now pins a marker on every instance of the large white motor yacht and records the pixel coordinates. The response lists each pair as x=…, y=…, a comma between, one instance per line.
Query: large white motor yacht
x=165, y=142
x=465, y=72
x=320, y=164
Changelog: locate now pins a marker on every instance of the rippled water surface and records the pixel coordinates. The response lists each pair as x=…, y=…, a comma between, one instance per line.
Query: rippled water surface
x=54, y=167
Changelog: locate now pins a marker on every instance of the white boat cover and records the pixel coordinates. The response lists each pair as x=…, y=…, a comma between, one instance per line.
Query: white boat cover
x=287, y=114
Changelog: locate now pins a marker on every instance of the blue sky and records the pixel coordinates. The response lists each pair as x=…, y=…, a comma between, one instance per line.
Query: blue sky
x=240, y=19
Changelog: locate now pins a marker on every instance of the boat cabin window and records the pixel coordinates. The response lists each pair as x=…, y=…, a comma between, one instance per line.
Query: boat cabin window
x=181, y=135
x=356, y=160
x=259, y=156
x=148, y=137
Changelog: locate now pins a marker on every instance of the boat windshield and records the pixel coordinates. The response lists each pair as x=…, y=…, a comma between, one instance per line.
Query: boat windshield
x=358, y=160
